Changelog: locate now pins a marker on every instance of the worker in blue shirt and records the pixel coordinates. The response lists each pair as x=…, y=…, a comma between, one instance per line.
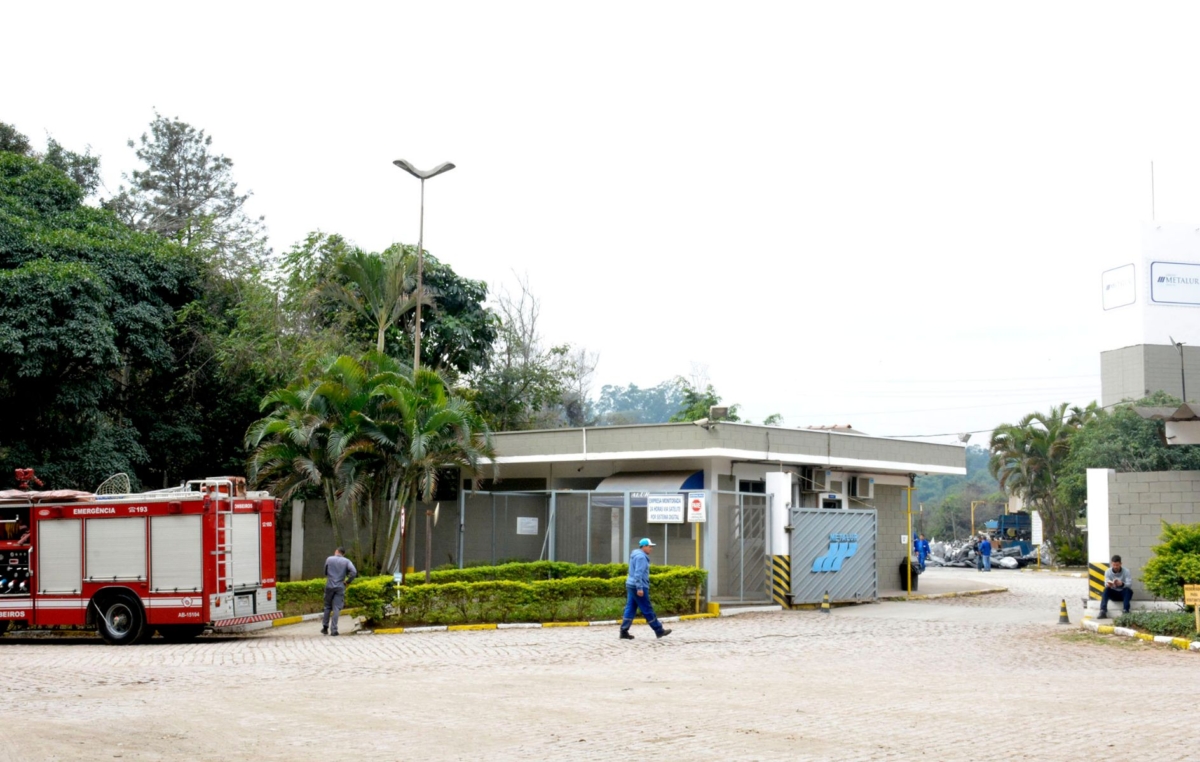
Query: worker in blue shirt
x=985, y=550
x=637, y=592
x=921, y=548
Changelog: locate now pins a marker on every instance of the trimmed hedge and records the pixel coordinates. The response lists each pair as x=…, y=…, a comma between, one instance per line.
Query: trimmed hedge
x=1177, y=624
x=535, y=592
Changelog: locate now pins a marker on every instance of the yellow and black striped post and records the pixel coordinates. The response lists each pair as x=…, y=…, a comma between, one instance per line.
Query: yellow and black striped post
x=825, y=603
x=1096, y=580
x=781, y=580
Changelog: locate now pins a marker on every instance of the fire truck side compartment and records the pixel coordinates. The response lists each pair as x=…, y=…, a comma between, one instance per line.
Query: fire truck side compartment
x=247, y=568
x=116, y=549
x=60, y=556
x=176, y=554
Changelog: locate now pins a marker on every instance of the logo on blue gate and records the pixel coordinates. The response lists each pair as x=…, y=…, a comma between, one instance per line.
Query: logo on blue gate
x=841, y=547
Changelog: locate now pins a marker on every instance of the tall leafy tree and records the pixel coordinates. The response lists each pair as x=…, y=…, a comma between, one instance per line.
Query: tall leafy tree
x=85, y=320
x=525, y=382
x=697, y=401
x=184, y=191
x=1122, y=440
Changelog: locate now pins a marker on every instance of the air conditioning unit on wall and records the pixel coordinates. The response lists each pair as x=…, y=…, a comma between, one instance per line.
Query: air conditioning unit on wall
x=862, y=487
x=814, y=479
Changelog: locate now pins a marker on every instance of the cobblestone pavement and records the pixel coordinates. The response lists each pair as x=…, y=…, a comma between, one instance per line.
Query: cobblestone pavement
x=930, y=680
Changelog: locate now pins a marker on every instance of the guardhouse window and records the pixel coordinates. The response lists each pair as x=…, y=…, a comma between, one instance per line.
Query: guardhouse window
x=756, y=488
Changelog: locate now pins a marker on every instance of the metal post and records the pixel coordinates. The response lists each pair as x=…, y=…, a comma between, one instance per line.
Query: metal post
x=587, y=554
x=420, y=277
x=552, y=530
x=428, y=541
x=493, y=529
x=741, y=523
x=462, y=521
x=666, y=542
x=625, y=524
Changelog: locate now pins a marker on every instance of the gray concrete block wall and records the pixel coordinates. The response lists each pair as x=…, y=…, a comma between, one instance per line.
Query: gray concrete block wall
x=890, y=506
x=1139, y=503
x=1135, y=372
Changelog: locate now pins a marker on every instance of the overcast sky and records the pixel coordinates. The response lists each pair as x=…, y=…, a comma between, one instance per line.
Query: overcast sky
x=891, y=215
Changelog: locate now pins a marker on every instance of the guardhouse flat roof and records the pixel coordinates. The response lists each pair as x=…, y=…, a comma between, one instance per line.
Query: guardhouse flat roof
x=739, y=441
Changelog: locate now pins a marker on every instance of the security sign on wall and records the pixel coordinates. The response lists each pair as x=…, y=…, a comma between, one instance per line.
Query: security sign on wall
x=697, y=508
x=664, y=509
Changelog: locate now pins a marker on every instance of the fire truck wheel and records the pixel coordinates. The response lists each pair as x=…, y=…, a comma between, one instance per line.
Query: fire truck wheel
x=121, y=620
x=3, y=626
x=180, y=633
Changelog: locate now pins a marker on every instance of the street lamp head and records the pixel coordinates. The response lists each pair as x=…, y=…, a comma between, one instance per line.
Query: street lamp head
x=423, y=174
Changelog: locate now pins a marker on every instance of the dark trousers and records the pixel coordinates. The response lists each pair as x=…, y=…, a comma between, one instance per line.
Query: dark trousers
x=1122, y=594
x=335, y=597
x=633, y=602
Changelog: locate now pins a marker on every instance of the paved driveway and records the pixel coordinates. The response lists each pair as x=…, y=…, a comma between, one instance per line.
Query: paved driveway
x=991, y=677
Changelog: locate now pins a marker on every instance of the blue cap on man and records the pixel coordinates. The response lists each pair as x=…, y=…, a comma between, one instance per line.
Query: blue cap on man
x=646, y=541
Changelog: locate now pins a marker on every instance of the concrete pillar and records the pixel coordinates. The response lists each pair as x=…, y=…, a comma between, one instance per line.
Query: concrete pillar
x=779, y=495
x=1097, y=515
x=296, y=567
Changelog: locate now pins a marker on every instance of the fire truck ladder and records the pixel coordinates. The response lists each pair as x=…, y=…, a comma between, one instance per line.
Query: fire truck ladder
x=224, y=540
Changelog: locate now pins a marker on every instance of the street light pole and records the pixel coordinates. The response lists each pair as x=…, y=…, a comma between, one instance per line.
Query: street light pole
x=421, y=175
x=1182, y=375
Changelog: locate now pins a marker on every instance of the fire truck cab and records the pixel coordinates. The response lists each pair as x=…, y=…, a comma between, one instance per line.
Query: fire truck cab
x=175, y=561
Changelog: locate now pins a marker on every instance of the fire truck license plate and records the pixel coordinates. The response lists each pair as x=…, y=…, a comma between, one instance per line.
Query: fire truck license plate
x=243, y=604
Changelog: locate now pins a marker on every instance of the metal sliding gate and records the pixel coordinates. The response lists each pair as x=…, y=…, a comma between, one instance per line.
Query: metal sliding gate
x=745, y=521
x=833, y=551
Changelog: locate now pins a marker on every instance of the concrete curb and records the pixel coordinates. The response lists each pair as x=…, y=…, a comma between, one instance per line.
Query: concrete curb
x=714, y=611
x=933, y=596
x=1183, y=644
x=287, y=620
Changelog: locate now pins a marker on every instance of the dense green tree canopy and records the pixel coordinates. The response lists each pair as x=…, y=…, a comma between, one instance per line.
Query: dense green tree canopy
x=85, y=317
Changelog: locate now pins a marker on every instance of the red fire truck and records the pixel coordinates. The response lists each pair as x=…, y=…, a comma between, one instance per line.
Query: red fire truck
x=175, y=561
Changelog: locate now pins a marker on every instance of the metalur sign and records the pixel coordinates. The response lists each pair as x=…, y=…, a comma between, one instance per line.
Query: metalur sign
x=1175, y=283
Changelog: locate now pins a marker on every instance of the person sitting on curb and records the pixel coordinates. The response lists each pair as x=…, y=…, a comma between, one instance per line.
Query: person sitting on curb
x=1117, y=581
x=637, y=592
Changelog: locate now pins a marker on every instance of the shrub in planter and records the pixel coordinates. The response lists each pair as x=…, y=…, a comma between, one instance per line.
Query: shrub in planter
x=1177, y=624
x=1176, y=561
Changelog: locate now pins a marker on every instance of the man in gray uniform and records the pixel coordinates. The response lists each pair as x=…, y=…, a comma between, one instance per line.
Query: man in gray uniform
x=339, y=572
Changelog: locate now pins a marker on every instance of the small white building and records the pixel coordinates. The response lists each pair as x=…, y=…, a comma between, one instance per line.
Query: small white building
x=790, y=513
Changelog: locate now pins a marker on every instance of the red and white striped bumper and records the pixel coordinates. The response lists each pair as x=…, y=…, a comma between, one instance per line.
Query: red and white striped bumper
x=240, y=620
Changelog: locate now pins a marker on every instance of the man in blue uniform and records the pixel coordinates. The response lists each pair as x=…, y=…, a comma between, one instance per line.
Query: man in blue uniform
x=921, y=548
x=637, y=592
x=985, y=550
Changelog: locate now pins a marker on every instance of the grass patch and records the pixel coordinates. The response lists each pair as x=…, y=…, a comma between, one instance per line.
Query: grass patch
x=1091, y=638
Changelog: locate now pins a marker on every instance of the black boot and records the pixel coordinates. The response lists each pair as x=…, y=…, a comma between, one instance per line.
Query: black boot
x=664, y=632
x=625, y=635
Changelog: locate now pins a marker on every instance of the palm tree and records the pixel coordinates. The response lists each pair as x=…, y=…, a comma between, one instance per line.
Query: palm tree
x=296, y=445
x=380, y=287
x=417, y=431
x=372, y=437
x=1027, y=459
